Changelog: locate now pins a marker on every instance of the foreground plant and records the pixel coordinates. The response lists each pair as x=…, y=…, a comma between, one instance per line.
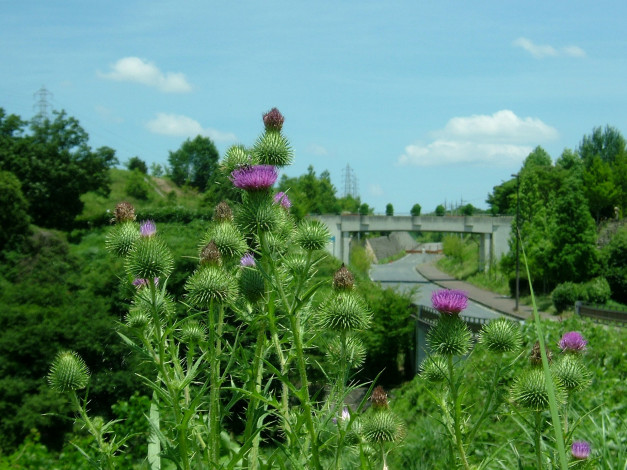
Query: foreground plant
x=240, y=337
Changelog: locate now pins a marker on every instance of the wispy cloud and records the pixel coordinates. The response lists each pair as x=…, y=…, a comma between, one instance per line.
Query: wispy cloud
x=540, y=51
x=318, y=150
x=375, y=190
x=498, y=139
x=184, y=126
x=134, y=69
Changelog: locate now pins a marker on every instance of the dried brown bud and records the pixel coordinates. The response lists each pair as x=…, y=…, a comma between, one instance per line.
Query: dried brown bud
x=343, y=279
x=536, y=355
x=223, y=213
x=210, y=254
x=124, y=212
x=273, y=120
x=379, y=398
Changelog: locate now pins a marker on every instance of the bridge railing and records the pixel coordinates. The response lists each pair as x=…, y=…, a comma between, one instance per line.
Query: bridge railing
x=601, y=313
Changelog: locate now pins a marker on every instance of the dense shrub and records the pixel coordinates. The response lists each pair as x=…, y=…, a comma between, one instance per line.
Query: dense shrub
x=615, y=265
x=565, y=295
x=136, y=185
x=596, y=291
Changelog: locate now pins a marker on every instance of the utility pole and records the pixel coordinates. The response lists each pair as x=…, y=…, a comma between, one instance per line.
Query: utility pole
x=350, y=182
x=517, y=234
x=42, y=95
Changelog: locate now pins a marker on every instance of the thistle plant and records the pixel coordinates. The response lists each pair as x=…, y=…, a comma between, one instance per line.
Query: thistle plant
x=240, y=336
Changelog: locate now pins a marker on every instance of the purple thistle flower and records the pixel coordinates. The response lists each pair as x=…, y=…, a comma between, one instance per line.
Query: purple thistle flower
x=572, y=342
x=345, y=414
x=147, y=228
x=254, y=178
x=248, y=260
x=580, y=450
x=449, y=301
x=139, y=283
x=281, y=198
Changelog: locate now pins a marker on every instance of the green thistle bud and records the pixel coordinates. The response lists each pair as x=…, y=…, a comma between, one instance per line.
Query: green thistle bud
x=501, y=336
x=122, y=237
x=251, y=284
x=344, y=311
x=296, y=264
x=449, y=336
x=210, y=283
x=273, y=149
x=312, y=235
x=227, y=239
x=193, y=332
x=149, y=258
x=68, y=372
x=235, y=157
x=222, y=213
x=143, y=304
x=137, y=318
x=257, y=213
x=355, y=352
x=434, y=368
x=343, y=279
x=382, y=426
x=571, y=372
x=529, y=390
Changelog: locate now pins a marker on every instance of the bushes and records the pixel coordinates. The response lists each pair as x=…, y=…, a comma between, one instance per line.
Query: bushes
x=596, y=291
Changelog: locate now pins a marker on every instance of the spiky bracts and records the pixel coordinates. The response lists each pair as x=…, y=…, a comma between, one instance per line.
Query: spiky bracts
x=434, y=368
x=272, y=148
x=530, y=391
x=450, y=336
x=501, y=336
x=381, y=425
x=122, y=237
x=210, y=284
x=344, y=311
x=571, y=372
x=227, y=239
x=312, y=235
x=149, y=258
x=68, y=372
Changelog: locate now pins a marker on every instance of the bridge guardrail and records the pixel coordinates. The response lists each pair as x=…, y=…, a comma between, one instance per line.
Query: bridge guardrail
x=601, y=313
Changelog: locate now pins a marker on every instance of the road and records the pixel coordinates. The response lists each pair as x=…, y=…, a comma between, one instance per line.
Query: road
x=402, y=275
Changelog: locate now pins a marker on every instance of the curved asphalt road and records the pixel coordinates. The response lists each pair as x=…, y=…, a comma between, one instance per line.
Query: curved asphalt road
x=402, y=275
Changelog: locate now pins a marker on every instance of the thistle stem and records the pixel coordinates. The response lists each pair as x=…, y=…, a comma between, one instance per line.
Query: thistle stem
x=538, y=439
x=457, y=412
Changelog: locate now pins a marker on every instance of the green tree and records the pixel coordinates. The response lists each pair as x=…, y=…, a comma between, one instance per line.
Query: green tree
x=502, y=200
x=468, y=209
x=600, y=188
x=310, y=194
x=364, y=209
x=194, y=163
x=615, y=265
x=14, y=219
x=136, y=185
x=156, y=170
x=605, y=143
x=389, y=209
x=440, y=210
x=136, y=163
x=415, y=210
x=55, y=165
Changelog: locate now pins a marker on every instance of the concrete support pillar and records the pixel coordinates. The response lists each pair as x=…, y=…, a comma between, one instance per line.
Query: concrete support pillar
x=346, y=244
x=485, y=251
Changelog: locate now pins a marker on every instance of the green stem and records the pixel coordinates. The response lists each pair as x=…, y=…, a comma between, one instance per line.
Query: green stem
x=253, y=454
x=457, y=414
x=214, y=394
x=487, y=408
x=538, y=439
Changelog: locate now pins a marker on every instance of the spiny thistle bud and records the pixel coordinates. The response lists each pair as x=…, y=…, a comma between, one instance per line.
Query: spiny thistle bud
x=149, y=258
x=379, y=398
x=296, y=264
x=137, y=318
x=192, y=332
x=210, y=254
x=281, y=199
x=251, y=282
x=273, y=149
x=580, y=450
x=121, y=238
x=529, y=390
x=273, y=120
x=536, y=355
x=124, y=212
x=343, y=279
x=449, y=301
x=254, y=178
x=228, y=240
x=355, y=352
x=257, y=214
x=143, y=302
x=68, y=372
x=434, y=368
x=223, y=213
x=312, y=235
x=449, y=336
x=344, y=311
x=572, y=342
x=235, y=157
x=501, y=336
x=571, y=372
x=383, y=426
x=210, y=283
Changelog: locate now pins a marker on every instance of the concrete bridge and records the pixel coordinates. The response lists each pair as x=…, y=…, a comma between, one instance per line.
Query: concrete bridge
x=494, y=231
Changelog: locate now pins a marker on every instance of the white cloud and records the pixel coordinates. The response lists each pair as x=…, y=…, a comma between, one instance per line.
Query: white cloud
x=375, y=190
x=498, y=139
x=134, y=69
x=183, y=126
x=317, y=150
x=541, y=51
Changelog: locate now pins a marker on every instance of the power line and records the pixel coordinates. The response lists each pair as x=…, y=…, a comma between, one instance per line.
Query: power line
x=42, y=95
x=350, y=182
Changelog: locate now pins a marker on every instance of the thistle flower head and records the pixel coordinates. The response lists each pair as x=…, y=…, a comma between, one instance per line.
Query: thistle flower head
x=140, y=282
x=209, y=284
x=282, y=199
x=210, y=254
x=571, y=372
x=529, y=390
x=235, y=157
x=227, y=239
x=68, y=372
x=273, y=120
x=449, y=337
x=251, y=283
x=343, y=279
x=580, y=450
x=383, y=426
x=434, y=368
x=192, y=332
x=124, y=212
x=147, y=228
x=272, y=148
x=223, y=213
x=501, y=336
x=572, y=341
x=149, y=258
x=121, y=239
x=344, y=311
x=379, y=398
x=353, y=352
x=449, y=301
x=254, y=178
x=312, y=235
x=248, y=260
x=536, y=355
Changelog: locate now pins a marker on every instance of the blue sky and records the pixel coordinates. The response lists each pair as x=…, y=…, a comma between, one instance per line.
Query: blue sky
x=428, y=102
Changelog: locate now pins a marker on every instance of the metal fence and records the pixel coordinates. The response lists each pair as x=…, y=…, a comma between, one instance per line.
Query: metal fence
x=601, y=313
